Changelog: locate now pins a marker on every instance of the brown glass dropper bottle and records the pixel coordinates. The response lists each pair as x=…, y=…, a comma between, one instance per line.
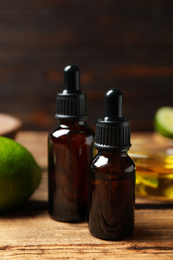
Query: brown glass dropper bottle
x=70, y=149
x=112, y=175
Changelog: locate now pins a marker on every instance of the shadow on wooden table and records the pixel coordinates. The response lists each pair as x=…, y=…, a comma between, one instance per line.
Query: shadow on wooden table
x=162, y=205
x=31, y=208
x=141, y=233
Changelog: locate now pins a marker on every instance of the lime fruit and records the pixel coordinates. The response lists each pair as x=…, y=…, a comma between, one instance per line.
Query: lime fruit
x=20, y=175
x=164, y=121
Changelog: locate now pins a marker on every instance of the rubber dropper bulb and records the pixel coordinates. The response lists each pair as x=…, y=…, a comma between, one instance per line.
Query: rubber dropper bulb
x=71, y=79
x=113, y=105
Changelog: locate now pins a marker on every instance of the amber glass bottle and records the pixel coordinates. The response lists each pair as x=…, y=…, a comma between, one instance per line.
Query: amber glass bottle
x=112, y=175
x=70, y=149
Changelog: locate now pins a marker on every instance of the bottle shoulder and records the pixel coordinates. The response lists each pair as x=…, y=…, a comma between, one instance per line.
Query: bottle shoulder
x=112, y=163
x=71, y=128
x=65, y=130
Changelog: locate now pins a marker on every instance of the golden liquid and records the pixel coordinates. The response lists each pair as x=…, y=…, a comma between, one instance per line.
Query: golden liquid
x=154, y=175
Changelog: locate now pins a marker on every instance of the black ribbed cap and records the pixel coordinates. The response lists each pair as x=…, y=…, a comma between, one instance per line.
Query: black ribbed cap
x=71, y=103
x=113, y=131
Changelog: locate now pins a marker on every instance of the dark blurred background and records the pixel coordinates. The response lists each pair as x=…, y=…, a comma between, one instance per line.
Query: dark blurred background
x=123, y=44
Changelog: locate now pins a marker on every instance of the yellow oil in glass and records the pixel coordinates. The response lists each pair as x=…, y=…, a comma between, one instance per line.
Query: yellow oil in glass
x=153, y=158
x=154, y=176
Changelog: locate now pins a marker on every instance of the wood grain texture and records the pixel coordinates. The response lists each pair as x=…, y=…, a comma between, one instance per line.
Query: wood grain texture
x=123, y=44
x=30, y=233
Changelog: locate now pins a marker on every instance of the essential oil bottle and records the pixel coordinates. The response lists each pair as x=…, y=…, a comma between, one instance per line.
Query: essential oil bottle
x=70, y=149
x=112, y=175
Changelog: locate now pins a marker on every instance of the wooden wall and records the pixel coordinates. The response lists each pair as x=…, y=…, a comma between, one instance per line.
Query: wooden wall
x=123, y=44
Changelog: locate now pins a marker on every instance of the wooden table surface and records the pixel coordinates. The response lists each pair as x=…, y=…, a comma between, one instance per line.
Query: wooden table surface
x=30, y=233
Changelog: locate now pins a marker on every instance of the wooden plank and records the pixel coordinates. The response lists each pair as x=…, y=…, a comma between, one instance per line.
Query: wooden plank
x=39, y=235
x=42, y=106
x=120, y=44
x=112, y=72
x=143, y=22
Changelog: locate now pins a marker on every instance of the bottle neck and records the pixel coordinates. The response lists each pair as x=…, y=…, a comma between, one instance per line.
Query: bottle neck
x=72, y=121
x=116, y=152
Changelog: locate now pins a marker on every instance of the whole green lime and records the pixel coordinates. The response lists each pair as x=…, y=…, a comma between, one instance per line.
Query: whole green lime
x=164, y=121
x=20, y=175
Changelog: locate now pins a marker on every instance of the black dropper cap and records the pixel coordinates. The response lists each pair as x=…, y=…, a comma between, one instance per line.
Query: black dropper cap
x=113, y=130
x=71, y=103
